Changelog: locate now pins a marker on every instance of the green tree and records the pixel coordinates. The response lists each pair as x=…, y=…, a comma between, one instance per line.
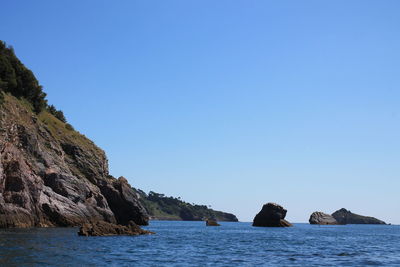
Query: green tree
x=18, y=80
x=56, y=113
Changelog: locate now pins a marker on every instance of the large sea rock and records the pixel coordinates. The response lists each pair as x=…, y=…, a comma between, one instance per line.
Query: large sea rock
x=271, y=215
x=51, y=175
x=322, y=218
x=344, y=216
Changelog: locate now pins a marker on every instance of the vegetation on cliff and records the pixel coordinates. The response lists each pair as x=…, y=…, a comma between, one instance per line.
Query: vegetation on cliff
x=161, y=207
x=20, y=82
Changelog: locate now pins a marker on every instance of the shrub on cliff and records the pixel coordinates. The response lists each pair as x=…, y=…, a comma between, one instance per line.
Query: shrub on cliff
x=19, y=80
x=56, y=113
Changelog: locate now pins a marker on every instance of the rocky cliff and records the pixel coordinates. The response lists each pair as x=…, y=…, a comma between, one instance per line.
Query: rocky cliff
x=50, y=175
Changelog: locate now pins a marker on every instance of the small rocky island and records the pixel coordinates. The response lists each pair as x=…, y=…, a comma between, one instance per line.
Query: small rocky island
x=271, y=215
x=344, y=216
x=319, y=217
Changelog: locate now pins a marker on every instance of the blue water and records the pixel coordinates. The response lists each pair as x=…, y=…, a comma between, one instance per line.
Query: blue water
x=194, y=244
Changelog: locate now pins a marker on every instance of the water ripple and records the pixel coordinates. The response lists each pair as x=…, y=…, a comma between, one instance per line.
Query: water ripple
x=193, y=244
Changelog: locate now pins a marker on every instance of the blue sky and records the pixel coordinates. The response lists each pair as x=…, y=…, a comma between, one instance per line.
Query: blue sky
x=229, y=103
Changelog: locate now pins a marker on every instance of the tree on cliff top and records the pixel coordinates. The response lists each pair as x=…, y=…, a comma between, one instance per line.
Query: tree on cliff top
x=18, y=80
x=56, y=113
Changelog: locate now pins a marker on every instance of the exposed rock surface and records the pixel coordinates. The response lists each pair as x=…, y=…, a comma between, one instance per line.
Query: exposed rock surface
x=212, y=223
x=54, y=176
x=271, y=215
x=344, y=216
x=322, y=218
x=102, y=228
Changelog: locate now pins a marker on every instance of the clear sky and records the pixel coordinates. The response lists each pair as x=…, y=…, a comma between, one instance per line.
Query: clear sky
x=229, y=103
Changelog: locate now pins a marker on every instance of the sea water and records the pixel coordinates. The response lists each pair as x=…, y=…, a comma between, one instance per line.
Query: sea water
x=194, y=244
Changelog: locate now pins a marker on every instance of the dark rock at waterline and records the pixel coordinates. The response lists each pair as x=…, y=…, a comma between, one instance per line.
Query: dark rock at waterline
x=271, y=215
x=102, y=228
x=124, y=202
x=212, y=223
x=322, y=218
x=344, y=216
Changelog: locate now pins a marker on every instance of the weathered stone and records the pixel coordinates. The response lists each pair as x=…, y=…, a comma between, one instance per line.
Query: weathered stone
x=271, y=215
x=123, y=201
x=344, y=216
x=210, y=222
x=102, y=228
x=322, y=218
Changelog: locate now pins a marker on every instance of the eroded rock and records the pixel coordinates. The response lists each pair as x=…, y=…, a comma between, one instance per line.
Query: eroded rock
x=210, y=222
x=271, y=215
x=102, y=228
x=322, y=218
x=344, y=216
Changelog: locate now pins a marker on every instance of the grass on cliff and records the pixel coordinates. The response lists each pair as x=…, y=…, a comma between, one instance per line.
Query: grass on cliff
x=65, y=132
x=61, y=131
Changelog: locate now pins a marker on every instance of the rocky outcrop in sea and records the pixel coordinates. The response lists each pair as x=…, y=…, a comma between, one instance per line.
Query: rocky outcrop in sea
x=210, y=222
x=322, y=218
x=344, y=216
x=271, y=215
x=102, y=228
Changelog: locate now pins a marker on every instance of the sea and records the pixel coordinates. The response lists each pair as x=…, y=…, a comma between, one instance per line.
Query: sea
x=194, y=244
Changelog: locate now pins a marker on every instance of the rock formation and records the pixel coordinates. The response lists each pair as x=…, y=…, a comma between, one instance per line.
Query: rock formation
x=271, y=215
x=102, y=228
x=322, y=218
x=344, y=216
x=212, y=223
x=51, y=175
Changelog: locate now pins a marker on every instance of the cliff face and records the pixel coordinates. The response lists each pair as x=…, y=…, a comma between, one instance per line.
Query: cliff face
x=50, y=175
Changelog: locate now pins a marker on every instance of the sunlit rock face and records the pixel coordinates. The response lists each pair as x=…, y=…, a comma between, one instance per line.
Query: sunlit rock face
x=322, y=219
x=51, y=175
